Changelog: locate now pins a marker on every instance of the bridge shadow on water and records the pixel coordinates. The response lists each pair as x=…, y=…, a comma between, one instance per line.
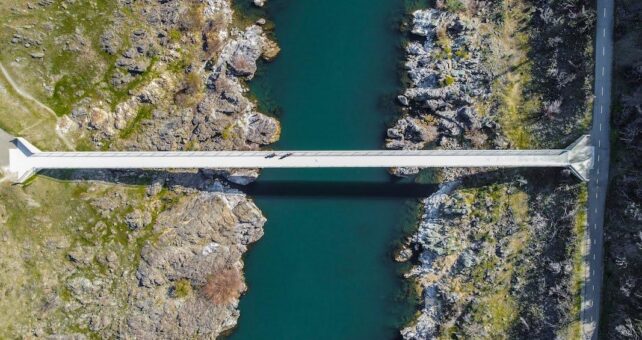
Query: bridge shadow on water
x=338, y=189
x=394, y=188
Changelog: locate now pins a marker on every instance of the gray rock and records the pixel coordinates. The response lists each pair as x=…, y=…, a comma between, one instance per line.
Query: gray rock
x=138, y=219
x=403, y=100
x=262, y=129
x=110, y=42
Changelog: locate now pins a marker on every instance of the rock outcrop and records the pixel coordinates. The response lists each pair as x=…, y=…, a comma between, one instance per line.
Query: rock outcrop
x=202, y=237
x=118, y=261
x=447, y=78
x=202, y=107
x=483, y=259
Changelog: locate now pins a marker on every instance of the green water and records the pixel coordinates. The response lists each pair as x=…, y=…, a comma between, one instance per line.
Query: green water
x=323, y=270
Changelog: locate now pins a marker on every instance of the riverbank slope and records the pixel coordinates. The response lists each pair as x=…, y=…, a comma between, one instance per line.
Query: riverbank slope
x=133, y=253
x=498, y=253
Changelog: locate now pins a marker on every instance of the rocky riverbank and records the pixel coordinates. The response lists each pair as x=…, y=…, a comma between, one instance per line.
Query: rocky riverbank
x=131, y=254
x=496, y=253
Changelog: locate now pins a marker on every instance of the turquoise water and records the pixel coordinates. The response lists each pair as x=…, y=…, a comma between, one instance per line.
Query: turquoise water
x=324, y=269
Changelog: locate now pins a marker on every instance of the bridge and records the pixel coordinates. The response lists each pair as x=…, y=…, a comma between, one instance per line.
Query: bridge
x=25, y=159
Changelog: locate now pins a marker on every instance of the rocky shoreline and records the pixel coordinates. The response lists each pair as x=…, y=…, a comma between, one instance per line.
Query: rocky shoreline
x=166, y=261
x=482, y=261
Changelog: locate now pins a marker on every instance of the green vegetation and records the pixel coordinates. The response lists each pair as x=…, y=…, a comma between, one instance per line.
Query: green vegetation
x=576, y=252
x=454, y=6
x=182, y=289
x=515, y=110
x=144, y=113
x=35, y=123
x=73, y=59
x=494, y=307
x=448, y=80
x=497, y=312
x=516, y=105
x=50, y=219
x=228, y=132
x=445, y=44
x=462, y=54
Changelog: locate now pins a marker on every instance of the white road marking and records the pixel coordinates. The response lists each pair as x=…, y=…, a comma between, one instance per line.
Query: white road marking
x=597, y=180
x=598, y=171
x=604, y=32
x=601, y=108
x=602, y=70
x=600, y=126
x=595, y=226
x=598, y=157
x=593, y=256
x=603, y=51
x=593, y=286
x=605, y=12
x=596, y=195
x=599, y=143
x=596, y=213
x=602, y=90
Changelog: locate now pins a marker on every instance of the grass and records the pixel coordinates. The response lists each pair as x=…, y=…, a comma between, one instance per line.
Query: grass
x=498, y=312
x=494, y=307
x=576, y=252
x=78, y=72
x=515, y=110
x=144, y=113
x=35, y=123
x=454, y=6
x=509, y=47
x=45, y=220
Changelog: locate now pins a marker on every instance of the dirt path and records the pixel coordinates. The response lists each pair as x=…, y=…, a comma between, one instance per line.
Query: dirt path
x=35, y=101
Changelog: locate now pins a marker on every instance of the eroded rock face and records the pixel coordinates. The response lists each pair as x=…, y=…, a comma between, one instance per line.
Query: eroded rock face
x=168, y=262
x=203, y=107
x=447, y=78
x=484, y=239
x=202, y=236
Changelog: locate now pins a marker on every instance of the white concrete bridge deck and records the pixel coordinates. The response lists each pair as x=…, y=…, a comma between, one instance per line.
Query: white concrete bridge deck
x=25, y=159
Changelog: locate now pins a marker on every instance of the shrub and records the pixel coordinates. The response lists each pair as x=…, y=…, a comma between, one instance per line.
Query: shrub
x=223, y=287
x=448, y=80
x=444, y=42
x=182, y=289
x=191, y=87
x=174, y=35
x=463, y=54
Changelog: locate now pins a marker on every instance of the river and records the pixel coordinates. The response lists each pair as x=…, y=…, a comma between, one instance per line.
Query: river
x=324, y=268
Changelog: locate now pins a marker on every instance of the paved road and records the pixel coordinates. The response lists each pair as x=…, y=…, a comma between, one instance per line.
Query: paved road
x=597, y=189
